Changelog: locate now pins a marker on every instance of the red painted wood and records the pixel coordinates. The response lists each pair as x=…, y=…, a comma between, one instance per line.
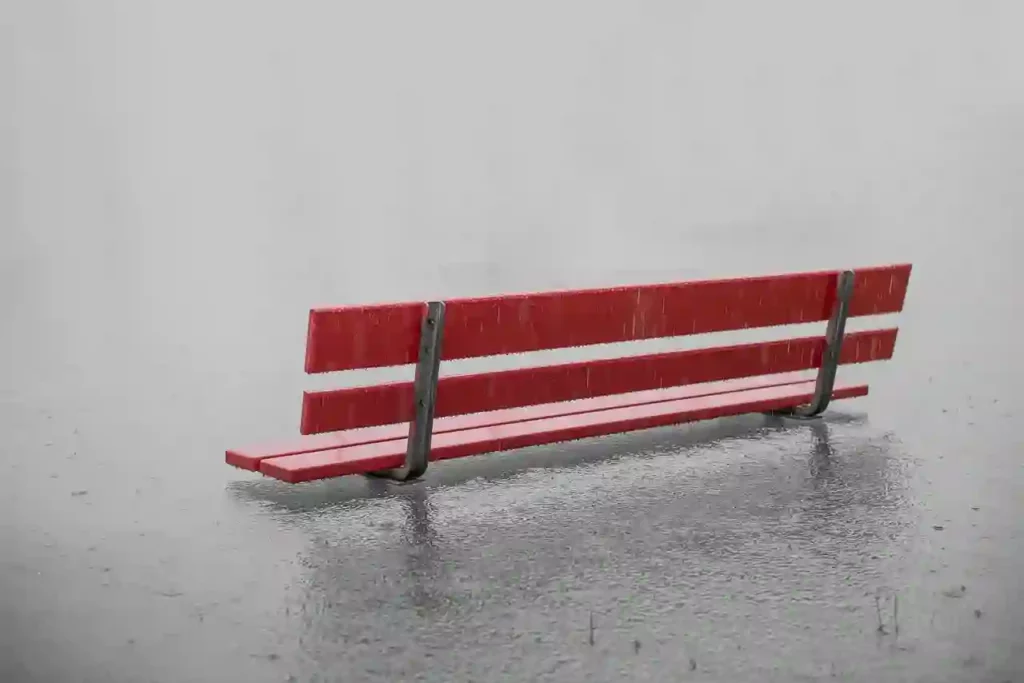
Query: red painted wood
x=355, y=337
x=529, y=322
x=249, y=458
x=376, y=336
x=390, y=454
x=339, y=409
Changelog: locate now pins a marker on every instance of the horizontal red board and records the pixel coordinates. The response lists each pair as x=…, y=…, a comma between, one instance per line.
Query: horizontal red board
x=391, y=454
x=530, y=322
x=352, y=408
x=249, y=458
x=363, y=336
x=383, y=335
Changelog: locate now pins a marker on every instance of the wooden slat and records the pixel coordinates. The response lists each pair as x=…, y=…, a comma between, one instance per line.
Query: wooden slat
x=249, y=458
x=377, y=336
x=355, y=337
x=339, y=409
x=530, y=322
x=390, y=454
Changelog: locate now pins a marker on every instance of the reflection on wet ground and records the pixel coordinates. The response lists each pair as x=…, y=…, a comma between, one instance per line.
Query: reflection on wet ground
x=864, y=546
x=731, y=546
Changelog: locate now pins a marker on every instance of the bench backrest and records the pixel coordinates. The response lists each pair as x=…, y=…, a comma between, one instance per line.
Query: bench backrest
x=356, y=337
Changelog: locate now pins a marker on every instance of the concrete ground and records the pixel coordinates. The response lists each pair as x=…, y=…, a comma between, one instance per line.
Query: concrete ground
x=183, y=183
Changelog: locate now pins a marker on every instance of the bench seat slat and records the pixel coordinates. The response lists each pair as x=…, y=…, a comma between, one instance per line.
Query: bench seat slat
x=339, y=409
x=249, y=458
x=454, y=444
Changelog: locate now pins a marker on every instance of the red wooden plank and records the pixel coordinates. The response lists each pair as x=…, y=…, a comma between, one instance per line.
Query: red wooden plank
x=529, y=322
x=249, y=458
x=338, y=409
x=355, y=337
x=390, y=454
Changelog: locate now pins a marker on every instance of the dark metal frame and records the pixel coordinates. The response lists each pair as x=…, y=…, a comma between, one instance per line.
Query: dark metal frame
x=834, y=334
x=417, y=454
x=428, y=366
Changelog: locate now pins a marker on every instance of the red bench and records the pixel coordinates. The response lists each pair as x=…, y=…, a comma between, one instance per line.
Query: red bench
x=394, y=429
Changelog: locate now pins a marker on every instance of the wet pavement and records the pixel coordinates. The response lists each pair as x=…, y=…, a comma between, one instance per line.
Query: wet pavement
x=180, y=198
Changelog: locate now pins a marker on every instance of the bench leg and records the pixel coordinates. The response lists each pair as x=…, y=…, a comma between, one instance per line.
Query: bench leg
x=830, y=358
x=428, y=366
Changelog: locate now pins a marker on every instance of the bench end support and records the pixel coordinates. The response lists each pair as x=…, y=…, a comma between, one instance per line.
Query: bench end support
x=428, y=367
x=834, y=334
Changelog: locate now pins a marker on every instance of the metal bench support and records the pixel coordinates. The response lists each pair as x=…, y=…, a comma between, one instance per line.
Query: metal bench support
x=428, y=366
x=834, y=335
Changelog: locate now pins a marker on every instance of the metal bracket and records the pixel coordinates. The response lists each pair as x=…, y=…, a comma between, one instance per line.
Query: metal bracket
x=428, y=366
x=834, y=334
